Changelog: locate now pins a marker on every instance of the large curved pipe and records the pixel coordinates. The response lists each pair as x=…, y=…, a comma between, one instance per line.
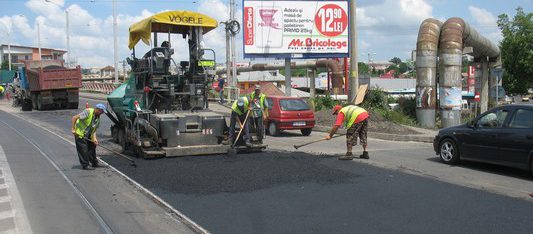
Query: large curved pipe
x=455, y=35
x=332, y=65
x=426, y=71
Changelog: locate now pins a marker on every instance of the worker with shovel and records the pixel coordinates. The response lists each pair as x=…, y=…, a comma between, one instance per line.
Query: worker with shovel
x=355, y=120
x=259, y=112
x=240, y=111
x=84, y=127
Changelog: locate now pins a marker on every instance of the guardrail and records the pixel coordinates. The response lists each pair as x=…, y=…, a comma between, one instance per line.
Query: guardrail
x=98, y=87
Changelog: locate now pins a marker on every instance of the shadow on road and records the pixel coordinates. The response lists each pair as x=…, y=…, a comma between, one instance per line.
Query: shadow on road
x=489, y=168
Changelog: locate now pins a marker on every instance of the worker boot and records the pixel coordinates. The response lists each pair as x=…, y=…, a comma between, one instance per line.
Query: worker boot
x=347, y=156
x=364, y=155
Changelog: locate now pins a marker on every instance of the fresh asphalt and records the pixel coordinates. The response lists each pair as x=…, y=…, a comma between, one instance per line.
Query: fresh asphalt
x=290, y=192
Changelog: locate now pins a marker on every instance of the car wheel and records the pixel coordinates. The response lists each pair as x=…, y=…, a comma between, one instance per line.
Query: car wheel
x=449, y=153
x=306, y=131
x=273, y=129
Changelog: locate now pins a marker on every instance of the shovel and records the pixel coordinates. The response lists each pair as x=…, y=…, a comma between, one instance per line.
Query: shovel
x=115, y=152
x=315, y=141
x=232, y=150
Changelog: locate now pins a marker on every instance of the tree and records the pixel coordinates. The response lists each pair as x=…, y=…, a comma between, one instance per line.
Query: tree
x=516, y=51
x=403, y=68
x=396, y=60
x=5, y=66
x=363, y=68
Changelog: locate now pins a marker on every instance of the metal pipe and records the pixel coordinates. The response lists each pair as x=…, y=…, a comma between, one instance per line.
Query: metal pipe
x=426, y=71
x=288, y=74
x=446, y=41
x=455, y=35
x=332, y=65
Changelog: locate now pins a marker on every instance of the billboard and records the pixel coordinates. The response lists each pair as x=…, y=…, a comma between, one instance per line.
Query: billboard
x=295, y=29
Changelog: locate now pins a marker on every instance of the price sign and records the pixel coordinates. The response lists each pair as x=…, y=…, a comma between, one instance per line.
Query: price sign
x=331, y=20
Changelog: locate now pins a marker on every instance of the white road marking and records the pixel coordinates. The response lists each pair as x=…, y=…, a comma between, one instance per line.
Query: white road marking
x=18, y=213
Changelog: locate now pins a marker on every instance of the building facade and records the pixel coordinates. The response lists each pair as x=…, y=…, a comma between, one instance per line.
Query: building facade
x=21, y=53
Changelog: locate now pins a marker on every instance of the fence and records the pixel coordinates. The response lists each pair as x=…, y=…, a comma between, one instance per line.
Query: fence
x=99, y=87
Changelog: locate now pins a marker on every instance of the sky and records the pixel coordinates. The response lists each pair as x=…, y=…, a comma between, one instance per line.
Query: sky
x=386, y=28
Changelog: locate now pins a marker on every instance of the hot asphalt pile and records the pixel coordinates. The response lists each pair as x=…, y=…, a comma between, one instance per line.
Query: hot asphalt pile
x=204, y=175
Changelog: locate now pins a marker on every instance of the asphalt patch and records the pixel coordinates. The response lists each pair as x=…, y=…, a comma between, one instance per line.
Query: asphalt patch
x=204, y=175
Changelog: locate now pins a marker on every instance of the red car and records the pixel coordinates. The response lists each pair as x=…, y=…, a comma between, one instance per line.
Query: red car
x=289, y=113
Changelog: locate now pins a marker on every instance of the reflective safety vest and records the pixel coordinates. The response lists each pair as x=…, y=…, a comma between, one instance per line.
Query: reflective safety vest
x=82, y=125
x=350, y=115
x=1, y=89
x=235, y=106
x=262, y=98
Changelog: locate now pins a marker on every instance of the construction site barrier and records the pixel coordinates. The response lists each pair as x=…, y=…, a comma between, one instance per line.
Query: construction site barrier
x=99, y=87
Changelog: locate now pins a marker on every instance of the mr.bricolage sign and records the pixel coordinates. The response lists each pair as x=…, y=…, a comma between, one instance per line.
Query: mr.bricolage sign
x=295, y=28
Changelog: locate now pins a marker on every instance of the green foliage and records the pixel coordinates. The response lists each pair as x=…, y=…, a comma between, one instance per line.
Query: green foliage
x=5, y=66
x=375, y=99
x=516, y=48
x=403, y=68
x=324, y=102
x=408, y=106
x=396, y=117
x=396, y=60
x=363, y=68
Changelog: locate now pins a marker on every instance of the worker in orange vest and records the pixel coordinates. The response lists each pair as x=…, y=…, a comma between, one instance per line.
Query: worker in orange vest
x=355, y=120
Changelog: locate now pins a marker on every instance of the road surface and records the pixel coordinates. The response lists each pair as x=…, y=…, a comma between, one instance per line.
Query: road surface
x=401, y=189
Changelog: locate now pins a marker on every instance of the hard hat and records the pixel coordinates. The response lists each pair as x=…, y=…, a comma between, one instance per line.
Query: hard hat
x=101, y=107
x=336, y=109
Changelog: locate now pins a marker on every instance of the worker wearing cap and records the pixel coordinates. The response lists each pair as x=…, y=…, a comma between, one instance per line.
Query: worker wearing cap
x=84, y=127
x=260, y=111
x=240, y=108
x=355, y=120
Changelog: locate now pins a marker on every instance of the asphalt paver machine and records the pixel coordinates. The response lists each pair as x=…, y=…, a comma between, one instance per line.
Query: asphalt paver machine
x=161, y=111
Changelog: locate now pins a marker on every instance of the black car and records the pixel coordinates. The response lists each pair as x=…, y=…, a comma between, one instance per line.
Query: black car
x=503, y=135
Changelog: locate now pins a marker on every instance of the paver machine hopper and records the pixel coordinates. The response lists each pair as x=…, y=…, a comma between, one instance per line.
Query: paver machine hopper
x=161, y=111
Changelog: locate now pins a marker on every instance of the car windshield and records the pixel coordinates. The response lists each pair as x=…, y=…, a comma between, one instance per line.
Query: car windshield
x=293, y=105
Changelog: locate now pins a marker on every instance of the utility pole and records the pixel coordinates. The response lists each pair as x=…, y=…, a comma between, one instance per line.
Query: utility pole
x=233, y=53
x=39, y=40
x=354, y=73
x=115, y=41
x=68, y=38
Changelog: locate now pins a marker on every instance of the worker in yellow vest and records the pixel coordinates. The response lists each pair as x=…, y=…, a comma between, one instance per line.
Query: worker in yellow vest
x=260, y=111
x=355, y=120
x=239, y=111
x=2, y=90
x=84, y=127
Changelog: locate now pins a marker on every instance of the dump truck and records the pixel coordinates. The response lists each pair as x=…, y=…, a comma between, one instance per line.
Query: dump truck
x=48, y=84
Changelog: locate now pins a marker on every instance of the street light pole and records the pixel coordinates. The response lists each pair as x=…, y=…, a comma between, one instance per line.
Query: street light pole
x=115, y=41
x=67, y=30
x=39, y=40
x=68, y=38
x=8, y=32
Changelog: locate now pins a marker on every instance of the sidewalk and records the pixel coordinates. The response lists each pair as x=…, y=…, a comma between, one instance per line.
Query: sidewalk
x=426, y=135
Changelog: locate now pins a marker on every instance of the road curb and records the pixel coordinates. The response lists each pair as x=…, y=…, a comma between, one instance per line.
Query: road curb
x=384, y=136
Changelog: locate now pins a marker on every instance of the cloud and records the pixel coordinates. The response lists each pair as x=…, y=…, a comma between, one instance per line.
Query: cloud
x=390, y=28
x=485, y=23
x=386, y=27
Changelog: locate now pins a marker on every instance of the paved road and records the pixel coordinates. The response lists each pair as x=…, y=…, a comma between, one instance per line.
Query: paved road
x=299, y=192
x=58, y=197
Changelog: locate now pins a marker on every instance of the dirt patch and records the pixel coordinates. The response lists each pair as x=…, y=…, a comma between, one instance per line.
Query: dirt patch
x=376, y=123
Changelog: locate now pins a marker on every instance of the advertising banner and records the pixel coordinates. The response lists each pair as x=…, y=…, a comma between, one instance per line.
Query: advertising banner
x=297, y=29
